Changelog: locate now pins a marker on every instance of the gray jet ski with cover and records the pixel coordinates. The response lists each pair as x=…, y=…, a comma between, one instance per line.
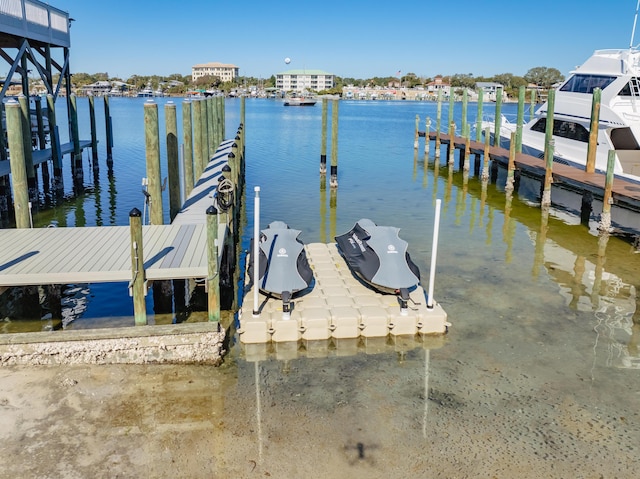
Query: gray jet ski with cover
x=284, y=268
x=378, y=256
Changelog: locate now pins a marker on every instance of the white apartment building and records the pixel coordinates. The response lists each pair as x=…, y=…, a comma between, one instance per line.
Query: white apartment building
x=299, y=80
x=226, y=72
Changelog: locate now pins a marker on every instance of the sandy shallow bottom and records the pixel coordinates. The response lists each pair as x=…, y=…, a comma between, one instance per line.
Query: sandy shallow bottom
x=490, y=412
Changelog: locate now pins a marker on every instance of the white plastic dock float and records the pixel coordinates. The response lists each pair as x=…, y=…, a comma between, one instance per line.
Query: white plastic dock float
x=338, y=306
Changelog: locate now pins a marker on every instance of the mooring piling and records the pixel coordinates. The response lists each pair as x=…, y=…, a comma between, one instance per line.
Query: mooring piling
x=498, y=118
x=198, y=161
x=137, y=286
x=187, y=148
x=213, y=279
x=152, y=147
x=512, y=163
x=426, y=139
x=173, y=166
x=15, y=134
x=76, y=161
x=28, y=150
x=416, y=134
x=593, y=131
x=94, y=136
x=520, y=119
x=479, y=115
x=109, y=132
x=607, y=200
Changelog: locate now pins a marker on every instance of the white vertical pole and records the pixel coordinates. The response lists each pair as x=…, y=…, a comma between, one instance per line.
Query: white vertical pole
x=256, y=251
x=434, y=254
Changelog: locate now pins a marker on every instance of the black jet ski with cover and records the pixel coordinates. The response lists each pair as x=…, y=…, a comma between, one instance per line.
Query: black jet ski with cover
x=284, y=268
x=378, y=256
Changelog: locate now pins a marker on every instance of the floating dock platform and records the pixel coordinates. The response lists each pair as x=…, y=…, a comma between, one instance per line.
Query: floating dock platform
x=337, y=306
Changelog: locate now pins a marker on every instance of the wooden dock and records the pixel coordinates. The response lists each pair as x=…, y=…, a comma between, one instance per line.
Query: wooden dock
x=338, y=306
x=97, y=254
x=625, y=193
x=41, y=156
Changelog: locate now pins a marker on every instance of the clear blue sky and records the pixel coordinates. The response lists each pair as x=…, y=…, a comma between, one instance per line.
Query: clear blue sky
x=348, y=38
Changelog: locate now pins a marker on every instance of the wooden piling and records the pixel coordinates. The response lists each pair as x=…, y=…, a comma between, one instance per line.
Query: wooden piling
x=532, y=108
x=548, y=174
x=173, y=166
x=512, y=163
x=416, y=133
x=204, y=124
x=323, y=139
x=451, y=148
x=607, y=199
x=333, y=182
x=498, y=118
x=28, y=150
x=213, y=279
x=427, y=129
x=109, y=132
x=78, y=174
x=211, y=130
x=467, y=148
x=438, y=125
x=187, y=151
x=3, y=140
x=465, y=101
x=94, y=136
x=198, y=161
x=42, y=140
x=15, y=134
x=486, y=157
x=548, y=132
x=56, y=156
x=593, y=131
x=520, y=120
x=152, y=146
x=216, y=125
x=138, y=285
x=479, y=115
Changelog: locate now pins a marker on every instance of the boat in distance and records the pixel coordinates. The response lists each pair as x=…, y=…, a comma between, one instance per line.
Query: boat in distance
x=300, y=99
x=617, y=74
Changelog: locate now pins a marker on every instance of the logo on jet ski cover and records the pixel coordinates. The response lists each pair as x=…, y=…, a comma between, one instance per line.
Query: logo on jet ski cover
x=282, y=253
x=354, y=240
x=391, y=249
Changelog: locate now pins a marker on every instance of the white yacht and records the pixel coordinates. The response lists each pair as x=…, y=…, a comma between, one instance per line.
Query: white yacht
x=617, y=74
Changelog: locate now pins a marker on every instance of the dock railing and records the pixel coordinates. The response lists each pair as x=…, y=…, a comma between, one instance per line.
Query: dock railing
x=36, y=21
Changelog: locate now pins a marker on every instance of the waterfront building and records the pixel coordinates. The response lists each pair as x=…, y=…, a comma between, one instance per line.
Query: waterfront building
x=226, y=72
x=300, y=80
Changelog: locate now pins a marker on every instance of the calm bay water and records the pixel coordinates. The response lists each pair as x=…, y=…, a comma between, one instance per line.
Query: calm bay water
x=539, y=371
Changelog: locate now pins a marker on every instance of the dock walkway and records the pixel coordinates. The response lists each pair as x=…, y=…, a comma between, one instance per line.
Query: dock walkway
x=42, y=256
x=624, y=193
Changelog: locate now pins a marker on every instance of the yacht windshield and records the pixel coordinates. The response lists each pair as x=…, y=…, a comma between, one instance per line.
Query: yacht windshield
x=564, y=129
x=587, y=83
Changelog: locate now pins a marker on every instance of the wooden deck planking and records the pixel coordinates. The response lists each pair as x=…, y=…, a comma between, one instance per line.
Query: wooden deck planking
x=622, y=189
x=102, y=254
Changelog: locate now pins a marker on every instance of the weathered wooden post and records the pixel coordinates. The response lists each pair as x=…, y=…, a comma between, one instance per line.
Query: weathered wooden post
x=548, y=132
x=333, y=182
x=520, y=120
x=78, y=174
x=486, y=160
x=593, y=130
x=215, y=125
x=416, y=133
x=323, y=139
x=211, y=130
x=548, y=174
x=452, y=147
x=173, y=166
x=137, y=287
x=28, y=150
x=465, y=101
x=109, y=132
x=532, y=104
x=213, y=278
x=198, y=157
x=427, y=129
x=15, y=134
x=204, y=112
x=438, y=126
x=498, y=118
x=512, y=163
x=467, y=148
x=479, y=115
x=607, y=199
x=94, y=136
x=56, y=156
x=3, y=140
x=42, y=143
x=152, y=144
x=187, y=150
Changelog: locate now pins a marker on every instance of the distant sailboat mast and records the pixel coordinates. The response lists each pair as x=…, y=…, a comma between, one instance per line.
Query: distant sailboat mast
x=635, y=20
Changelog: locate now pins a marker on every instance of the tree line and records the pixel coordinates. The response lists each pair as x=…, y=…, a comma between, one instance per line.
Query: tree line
x=543, y=77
